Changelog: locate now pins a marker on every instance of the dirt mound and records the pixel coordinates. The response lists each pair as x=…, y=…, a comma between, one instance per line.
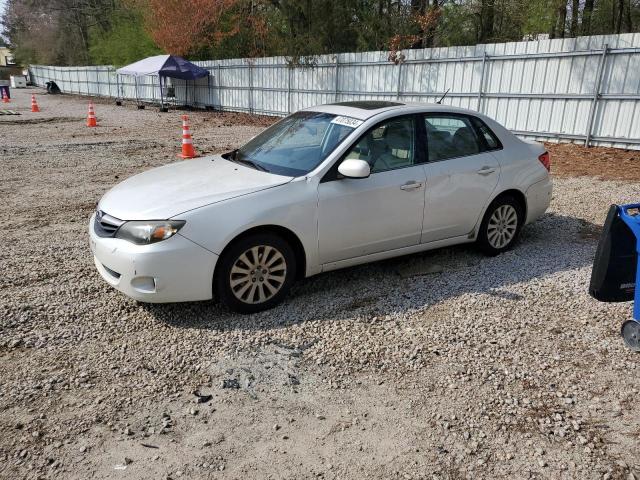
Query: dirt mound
x=571, y=160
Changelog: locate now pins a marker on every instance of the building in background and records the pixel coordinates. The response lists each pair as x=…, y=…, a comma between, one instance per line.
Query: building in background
x=9, y=69
x=6, y=58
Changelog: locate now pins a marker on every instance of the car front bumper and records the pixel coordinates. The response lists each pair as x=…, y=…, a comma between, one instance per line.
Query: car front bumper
x=174, y=270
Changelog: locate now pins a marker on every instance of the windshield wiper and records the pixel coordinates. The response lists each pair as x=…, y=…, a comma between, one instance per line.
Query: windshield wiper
x=233, y=156
x=248, y=163
x=230, y=155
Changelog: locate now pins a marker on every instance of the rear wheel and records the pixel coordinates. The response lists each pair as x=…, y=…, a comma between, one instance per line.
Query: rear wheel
x=255, y=273
x=501, y=225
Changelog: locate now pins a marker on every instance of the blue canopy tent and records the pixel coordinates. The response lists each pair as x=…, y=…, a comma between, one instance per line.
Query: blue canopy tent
x=163, y=66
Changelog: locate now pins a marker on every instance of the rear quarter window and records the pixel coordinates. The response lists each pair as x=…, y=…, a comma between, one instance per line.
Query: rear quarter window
x=489, y=138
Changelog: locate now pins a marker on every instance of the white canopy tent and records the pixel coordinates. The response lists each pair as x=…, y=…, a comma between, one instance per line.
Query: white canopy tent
x=146, y=66
x=163, y=66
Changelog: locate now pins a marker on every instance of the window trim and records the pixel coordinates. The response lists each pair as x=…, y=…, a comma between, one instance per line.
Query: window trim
x=418, y=140
x=473, y=121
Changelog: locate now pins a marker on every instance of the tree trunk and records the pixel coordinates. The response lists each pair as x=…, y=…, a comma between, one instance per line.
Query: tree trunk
x=562, y=20
x=586, y=17
x=419, y=8
x=430, y=34
x=628, y=22
x=575, y=9
x=487, y=14
x=558, y=28
x=619, y=17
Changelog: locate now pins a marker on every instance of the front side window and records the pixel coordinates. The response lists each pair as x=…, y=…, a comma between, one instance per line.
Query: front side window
x=388, y=146
x=297, y=144
x=450, y=137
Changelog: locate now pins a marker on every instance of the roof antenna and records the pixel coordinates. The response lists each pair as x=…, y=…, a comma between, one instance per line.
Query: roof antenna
x=445, y=94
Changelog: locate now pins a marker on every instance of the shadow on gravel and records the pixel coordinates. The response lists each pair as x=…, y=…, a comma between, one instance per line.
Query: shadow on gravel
x=553, y=244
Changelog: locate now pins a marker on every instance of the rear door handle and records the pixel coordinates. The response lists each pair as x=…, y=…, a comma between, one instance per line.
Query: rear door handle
x=486, y=170
x=411, y=186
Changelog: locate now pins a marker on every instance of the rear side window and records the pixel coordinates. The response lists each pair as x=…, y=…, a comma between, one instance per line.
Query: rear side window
x=450, y=137
x=490, y=138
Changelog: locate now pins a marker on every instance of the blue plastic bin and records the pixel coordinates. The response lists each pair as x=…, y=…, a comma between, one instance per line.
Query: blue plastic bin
x=631, y=328
x=616, y=267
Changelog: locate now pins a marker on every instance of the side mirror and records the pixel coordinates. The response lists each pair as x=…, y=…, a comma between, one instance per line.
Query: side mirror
x=353, y=168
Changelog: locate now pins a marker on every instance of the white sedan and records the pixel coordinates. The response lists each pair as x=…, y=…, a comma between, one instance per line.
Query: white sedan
x=324, y=188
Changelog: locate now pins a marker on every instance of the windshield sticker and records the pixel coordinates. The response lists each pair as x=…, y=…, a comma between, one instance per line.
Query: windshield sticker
x=347, y=122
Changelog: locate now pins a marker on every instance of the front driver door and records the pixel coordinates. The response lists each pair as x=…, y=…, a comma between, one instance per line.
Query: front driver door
x=383, y=212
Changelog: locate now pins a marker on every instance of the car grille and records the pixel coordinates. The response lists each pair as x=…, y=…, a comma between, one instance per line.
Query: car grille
x=105, y=225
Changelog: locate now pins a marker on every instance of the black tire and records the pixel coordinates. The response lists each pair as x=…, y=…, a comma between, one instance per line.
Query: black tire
x=487, y=235
x=231, y=269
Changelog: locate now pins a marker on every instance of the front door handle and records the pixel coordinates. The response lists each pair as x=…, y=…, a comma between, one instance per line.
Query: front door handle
x=411, y=186
x=486, y=170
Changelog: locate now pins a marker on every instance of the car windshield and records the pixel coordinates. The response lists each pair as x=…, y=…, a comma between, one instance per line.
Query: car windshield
x=297, y=144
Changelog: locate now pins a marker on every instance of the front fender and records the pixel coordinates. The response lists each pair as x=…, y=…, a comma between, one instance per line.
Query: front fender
x=292, y=206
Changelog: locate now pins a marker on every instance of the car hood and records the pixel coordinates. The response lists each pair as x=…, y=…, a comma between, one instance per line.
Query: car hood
x=173, y=189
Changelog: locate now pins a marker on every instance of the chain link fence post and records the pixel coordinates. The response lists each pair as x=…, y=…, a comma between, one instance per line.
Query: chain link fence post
x=336, y=86
x=109, y=80
x=596, y=94
x=219, y=86
x=250, y=86
x=289, y=74
x=399, y=89
x=481, y=88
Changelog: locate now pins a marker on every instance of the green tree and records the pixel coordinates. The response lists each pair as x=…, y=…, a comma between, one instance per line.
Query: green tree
x=124, y=41
x=457, y=26
x=66, y=32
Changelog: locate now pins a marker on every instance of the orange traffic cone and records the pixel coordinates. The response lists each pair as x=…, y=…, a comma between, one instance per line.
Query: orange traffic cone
x=187, y=142
x=5, y=98
x=34, y=104
x=91, y=117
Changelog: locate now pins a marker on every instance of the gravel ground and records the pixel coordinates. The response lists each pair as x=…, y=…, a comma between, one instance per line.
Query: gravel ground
x=484, y=368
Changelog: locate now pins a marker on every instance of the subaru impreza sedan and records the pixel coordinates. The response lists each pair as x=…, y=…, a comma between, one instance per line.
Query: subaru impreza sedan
x=324, y=188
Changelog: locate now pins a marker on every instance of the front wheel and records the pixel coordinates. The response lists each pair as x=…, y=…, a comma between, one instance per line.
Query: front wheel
x=255, y=273
x=501, y=225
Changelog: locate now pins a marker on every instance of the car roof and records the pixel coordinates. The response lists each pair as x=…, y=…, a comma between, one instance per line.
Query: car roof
x=365, y=109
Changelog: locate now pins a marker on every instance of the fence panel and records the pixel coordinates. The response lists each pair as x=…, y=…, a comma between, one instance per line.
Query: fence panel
x=584, y=89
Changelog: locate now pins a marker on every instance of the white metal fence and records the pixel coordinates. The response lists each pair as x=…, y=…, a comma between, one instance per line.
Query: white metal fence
x=584, y=89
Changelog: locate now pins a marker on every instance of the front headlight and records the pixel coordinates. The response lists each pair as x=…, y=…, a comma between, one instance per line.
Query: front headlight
x=146, y=232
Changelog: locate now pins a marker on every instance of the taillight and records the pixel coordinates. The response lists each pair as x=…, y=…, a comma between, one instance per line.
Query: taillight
x=545, y=159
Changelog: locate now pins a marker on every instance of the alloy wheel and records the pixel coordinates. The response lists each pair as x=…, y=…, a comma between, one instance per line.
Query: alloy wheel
x=258, y=274
x=502, y=226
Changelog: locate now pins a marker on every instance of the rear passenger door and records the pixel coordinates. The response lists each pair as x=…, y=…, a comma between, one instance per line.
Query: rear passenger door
x=461, y=174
